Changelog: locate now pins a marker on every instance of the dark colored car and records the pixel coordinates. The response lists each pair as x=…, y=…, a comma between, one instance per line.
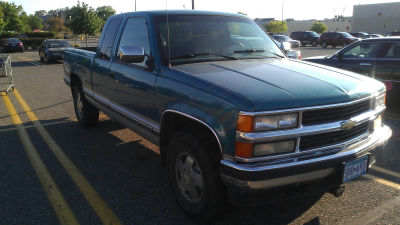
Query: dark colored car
x=393, y=33
x=52, y=49
x=374, y=35
x=336, y=38
x=305, y=37
x=361, y=35
x=13, y=45
x=375, y=57
x=284, y=38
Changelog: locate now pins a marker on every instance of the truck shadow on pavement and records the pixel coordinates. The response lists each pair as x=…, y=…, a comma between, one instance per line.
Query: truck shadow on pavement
x=126, y=172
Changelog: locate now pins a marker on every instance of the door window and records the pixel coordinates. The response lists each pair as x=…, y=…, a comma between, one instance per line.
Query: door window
x=136, y=34
x=363, y=50
x=394, y=51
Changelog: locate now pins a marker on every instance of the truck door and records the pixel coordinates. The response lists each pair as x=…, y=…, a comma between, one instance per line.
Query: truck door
x=101, y=80
x=133, y=92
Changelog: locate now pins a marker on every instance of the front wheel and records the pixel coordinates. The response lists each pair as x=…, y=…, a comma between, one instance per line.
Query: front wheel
x=324, y=44
x=194, y=176
x=86, y=114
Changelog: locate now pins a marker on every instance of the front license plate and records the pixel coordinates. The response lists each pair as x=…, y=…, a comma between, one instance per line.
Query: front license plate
x=355, y=168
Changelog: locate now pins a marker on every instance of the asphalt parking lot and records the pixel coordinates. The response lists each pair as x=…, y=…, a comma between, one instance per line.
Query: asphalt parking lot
x=50, y=167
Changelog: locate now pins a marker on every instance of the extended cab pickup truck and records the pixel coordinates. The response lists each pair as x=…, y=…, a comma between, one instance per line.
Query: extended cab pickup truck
x=228, y=110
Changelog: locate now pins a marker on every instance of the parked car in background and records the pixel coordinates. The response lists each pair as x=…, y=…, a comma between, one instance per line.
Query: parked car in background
x=375, y=57
x=393, y=33
x=284, y=38
x=336, y=38
x=52, y=49
x=305, y=37
x=285, y=46
x=361, y=35
x=374, y=35
x=67, y=36
x=13, y=45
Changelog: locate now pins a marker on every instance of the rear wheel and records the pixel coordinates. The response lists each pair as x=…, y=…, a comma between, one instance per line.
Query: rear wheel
x=314, y=43
x=86, y=114
x=303, y=44
x=193, y=172
x=41, y=59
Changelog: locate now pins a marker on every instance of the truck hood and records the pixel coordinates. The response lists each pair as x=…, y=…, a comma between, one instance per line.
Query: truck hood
x=272, y=84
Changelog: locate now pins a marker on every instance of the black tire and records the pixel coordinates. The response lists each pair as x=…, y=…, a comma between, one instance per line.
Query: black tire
x=41, y=59
x=86, y=114
x=46, y=59
x=333, y=46
x=314, y=43
x=213, y=195
x=324, y=44
x=303, y=44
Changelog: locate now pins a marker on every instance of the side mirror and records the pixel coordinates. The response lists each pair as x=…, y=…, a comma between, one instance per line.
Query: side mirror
x=131, y=54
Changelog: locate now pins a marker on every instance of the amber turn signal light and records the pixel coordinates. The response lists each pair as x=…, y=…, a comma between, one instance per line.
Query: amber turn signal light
x=243, y=149
x=245, y=123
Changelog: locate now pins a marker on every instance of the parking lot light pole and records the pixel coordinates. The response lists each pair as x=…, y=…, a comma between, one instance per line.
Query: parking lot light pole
x=192, y=4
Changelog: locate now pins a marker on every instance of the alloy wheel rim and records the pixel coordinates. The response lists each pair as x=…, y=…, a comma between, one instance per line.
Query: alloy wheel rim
x=189, y=177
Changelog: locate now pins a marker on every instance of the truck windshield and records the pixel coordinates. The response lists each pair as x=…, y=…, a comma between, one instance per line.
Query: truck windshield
x=200, y=38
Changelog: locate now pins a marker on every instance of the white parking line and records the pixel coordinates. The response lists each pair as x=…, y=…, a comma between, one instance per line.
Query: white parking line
x=30, y=61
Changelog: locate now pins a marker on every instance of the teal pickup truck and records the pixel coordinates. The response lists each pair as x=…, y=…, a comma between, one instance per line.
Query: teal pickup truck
x=232, y=115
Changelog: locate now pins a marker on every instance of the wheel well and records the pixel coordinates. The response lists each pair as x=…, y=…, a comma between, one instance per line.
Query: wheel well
x=173, y=122
x=74, y=79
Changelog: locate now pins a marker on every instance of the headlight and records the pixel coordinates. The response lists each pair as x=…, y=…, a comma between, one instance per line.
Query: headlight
x=267, y=123
x=380, y=101
x=274, y=148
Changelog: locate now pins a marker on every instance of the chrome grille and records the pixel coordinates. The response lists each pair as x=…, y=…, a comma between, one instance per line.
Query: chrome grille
x=328, y=115
x=326, y=139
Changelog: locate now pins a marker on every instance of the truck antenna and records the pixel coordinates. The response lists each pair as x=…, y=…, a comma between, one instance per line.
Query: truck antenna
x=169, y=49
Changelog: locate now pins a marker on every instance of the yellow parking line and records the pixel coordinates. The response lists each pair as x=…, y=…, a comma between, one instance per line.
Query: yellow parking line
x=383, y=181
x=60, y=206
x=106, y=215
x=386, y=171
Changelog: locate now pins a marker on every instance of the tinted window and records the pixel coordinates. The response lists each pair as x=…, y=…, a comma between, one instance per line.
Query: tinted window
x=135, y=33
x=362, y=50
x=394, y=51
x=210, y=38
x=109, y=37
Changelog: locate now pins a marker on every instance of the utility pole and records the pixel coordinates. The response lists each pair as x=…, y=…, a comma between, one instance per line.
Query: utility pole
x=135, y=5
x=193, y=4
x=283, y=2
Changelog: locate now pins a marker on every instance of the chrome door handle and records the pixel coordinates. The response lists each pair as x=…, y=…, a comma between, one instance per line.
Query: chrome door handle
x=365, y=64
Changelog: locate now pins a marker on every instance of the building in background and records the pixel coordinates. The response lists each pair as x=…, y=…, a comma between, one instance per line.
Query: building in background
x=376, y=18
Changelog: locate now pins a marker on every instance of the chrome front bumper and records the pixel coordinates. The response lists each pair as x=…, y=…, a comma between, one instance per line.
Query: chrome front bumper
x=247, y=176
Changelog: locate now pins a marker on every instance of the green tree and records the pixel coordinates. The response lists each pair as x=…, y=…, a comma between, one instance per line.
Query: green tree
x=35, y=22
x=276, y=27
x=104, y=12
x=11, y=14
x=82, y=19
x=2, y=22
x=56, y=24
x=319, y=27
x=40, y=13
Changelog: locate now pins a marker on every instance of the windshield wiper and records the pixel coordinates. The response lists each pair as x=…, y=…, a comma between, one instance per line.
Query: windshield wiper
x=194, y=55
x=257, y=51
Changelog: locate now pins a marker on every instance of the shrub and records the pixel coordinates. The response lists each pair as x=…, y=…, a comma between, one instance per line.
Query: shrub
x=6, y=34
x=40, y=34
x=31, y=42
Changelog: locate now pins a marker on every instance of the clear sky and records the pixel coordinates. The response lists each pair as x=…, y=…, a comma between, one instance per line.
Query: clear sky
x=297, y=9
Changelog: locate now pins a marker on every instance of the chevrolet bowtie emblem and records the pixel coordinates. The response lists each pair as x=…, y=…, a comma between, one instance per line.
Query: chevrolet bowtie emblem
x=348, y=124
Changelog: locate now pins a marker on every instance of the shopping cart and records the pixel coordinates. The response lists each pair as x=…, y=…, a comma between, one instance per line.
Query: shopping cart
x=6, y=78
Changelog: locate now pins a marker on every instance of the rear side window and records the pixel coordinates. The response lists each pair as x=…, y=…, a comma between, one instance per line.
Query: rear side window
x=394, y=51
x=136, y=34
x=108, y=39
